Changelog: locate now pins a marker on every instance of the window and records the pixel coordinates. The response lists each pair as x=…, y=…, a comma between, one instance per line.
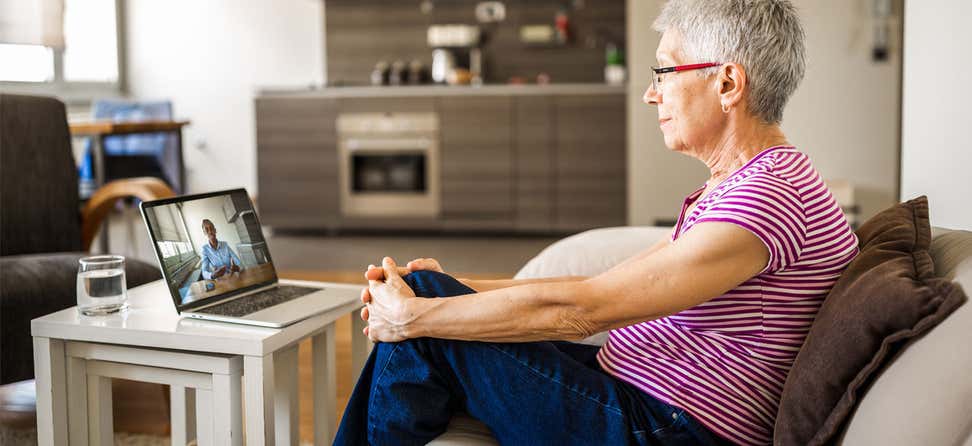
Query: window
x=164, y=247
x=86, y=66
x=90, y=41
x=26, y=63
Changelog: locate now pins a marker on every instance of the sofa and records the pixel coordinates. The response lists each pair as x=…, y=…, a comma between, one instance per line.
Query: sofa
x=922, y=397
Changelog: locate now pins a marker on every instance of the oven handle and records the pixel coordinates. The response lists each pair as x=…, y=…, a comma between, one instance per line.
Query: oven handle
x=354, y=144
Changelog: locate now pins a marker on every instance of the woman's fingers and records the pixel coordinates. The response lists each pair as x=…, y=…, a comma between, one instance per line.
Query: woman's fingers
x=416, y=265
x=364, y=313
x=374, y=273
x=424, y=264
x=365, y=296
x=391, y=269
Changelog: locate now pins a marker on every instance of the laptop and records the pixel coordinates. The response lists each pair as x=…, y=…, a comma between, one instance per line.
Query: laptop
x=217, y=264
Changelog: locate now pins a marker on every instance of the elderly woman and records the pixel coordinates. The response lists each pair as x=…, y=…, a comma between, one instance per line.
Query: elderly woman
x=704, y=325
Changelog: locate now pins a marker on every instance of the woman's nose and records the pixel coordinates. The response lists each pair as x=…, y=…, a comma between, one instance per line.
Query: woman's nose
x=651, y=96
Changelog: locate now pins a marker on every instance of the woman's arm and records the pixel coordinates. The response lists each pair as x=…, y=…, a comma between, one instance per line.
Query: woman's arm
x=703, y=263
x=488, y=285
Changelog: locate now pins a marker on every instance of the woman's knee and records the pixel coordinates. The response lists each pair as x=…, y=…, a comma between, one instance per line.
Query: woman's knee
x=435, y=284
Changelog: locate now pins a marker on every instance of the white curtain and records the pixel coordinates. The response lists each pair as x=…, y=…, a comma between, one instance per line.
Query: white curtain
x=32, y=22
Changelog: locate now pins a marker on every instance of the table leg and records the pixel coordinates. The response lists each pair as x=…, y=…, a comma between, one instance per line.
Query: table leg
x=204, y=418
x=360, y=346
x=182, y=415
x=101, y=431
x=182, y=167
x=49, y=373
x=227, y=422
x=285, y=396
x=77, y=400
x=324, y=378
x=258, y=399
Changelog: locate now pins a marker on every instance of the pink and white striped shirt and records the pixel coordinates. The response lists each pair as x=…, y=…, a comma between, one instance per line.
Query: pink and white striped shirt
x=725, y=361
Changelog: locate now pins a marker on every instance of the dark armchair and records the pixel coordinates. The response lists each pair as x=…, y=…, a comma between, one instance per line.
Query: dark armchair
x=43, y=230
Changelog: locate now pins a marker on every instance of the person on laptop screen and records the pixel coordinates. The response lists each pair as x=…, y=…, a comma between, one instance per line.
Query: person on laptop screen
x=217, y=257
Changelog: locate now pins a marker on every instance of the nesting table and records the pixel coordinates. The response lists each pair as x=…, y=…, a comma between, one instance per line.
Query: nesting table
x=226, y=369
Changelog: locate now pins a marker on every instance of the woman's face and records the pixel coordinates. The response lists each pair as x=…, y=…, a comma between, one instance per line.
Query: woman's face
x=689, y=112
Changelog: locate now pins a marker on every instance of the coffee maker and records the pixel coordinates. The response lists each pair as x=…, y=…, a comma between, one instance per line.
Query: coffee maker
x=457, y=56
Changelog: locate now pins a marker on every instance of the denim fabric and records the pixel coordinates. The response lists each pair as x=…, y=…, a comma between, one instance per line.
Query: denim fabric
x=527, y=393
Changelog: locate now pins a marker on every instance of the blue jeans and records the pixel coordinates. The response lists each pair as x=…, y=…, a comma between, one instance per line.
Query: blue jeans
x=527, y=393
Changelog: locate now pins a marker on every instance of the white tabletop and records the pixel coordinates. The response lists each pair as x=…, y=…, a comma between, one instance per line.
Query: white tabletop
x=151, y=321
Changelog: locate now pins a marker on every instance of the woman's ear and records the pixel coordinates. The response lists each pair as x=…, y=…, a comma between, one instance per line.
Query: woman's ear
x=732, y=83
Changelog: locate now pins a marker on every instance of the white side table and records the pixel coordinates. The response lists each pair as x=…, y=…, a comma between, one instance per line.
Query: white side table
x=151, y=325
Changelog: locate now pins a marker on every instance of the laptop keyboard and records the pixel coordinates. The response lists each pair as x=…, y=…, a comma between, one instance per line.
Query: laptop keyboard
x=256, y=302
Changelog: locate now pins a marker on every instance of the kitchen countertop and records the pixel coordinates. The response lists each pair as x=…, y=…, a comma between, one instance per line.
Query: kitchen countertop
x=444, y=90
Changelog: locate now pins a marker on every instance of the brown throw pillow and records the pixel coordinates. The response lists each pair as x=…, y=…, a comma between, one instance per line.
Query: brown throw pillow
x=888, y=295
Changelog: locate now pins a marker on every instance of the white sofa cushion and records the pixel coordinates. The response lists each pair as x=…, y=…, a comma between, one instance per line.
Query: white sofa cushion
x=591, y=252
x=924, y=396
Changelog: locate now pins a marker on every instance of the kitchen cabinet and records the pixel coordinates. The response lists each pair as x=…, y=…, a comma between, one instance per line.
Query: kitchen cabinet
x=477, y=162
x=530, y=163
x=591, y=179
x=534, y=153
x=297, y=169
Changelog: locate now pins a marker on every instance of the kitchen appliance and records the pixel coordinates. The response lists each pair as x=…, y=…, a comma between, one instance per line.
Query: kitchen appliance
x=443, y=62
x=456, y=47
x=389, y=164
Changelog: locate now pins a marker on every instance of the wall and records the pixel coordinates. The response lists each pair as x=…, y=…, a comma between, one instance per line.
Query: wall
x=362, y=32
x=209, y=57
x=845, y=114
x=936, y=153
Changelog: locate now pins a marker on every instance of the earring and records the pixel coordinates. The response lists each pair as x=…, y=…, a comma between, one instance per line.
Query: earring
x=725, y=108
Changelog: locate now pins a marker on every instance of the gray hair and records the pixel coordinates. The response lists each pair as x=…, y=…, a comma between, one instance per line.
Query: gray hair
x=764, y=36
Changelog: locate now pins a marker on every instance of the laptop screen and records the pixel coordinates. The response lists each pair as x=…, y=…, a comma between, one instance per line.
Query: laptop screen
x=209, y=246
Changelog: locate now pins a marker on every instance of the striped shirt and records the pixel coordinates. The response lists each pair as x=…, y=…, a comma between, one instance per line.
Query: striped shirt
x=725, y=361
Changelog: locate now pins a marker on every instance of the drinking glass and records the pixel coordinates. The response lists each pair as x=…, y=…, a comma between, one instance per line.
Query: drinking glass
x=101, y=285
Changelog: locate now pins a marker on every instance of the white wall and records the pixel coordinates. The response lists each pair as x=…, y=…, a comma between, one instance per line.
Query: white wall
x=844, y=115
x=209, y=57
x=936, y=157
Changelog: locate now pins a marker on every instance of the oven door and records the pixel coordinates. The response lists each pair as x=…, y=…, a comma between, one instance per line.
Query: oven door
x=389, y=176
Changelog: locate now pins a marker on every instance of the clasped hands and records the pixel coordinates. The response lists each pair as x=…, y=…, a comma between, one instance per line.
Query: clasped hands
x=389, y=300
x=223, y=270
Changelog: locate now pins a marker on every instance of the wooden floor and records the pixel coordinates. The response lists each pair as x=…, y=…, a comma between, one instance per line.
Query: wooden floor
x=141, y=408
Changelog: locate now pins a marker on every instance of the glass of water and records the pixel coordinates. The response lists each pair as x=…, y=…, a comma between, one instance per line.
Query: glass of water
x=101, y=285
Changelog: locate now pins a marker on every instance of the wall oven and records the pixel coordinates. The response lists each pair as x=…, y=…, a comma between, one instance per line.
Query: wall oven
x=389, y=164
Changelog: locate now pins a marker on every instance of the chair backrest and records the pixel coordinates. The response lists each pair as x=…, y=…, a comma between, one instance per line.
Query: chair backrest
x=39, y=208
x=150, y=154
x=132, y=111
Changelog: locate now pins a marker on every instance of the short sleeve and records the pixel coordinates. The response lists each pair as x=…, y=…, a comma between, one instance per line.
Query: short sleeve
x=770, y=208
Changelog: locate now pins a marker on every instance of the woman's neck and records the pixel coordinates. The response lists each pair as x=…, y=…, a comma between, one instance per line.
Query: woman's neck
x=214, y=243
x=740, y=145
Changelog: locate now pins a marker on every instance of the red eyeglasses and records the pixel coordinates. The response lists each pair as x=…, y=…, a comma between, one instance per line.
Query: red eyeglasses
x=656, y=80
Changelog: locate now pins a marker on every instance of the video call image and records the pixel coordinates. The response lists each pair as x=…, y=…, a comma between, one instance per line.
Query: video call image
x=210, y=246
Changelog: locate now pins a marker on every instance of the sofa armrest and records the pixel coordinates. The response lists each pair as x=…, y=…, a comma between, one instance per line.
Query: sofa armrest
x=94, y=213
x=592, y=252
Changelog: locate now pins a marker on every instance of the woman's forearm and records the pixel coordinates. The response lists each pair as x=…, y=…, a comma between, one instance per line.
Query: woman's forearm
x=542, y=310
x=489, y=285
